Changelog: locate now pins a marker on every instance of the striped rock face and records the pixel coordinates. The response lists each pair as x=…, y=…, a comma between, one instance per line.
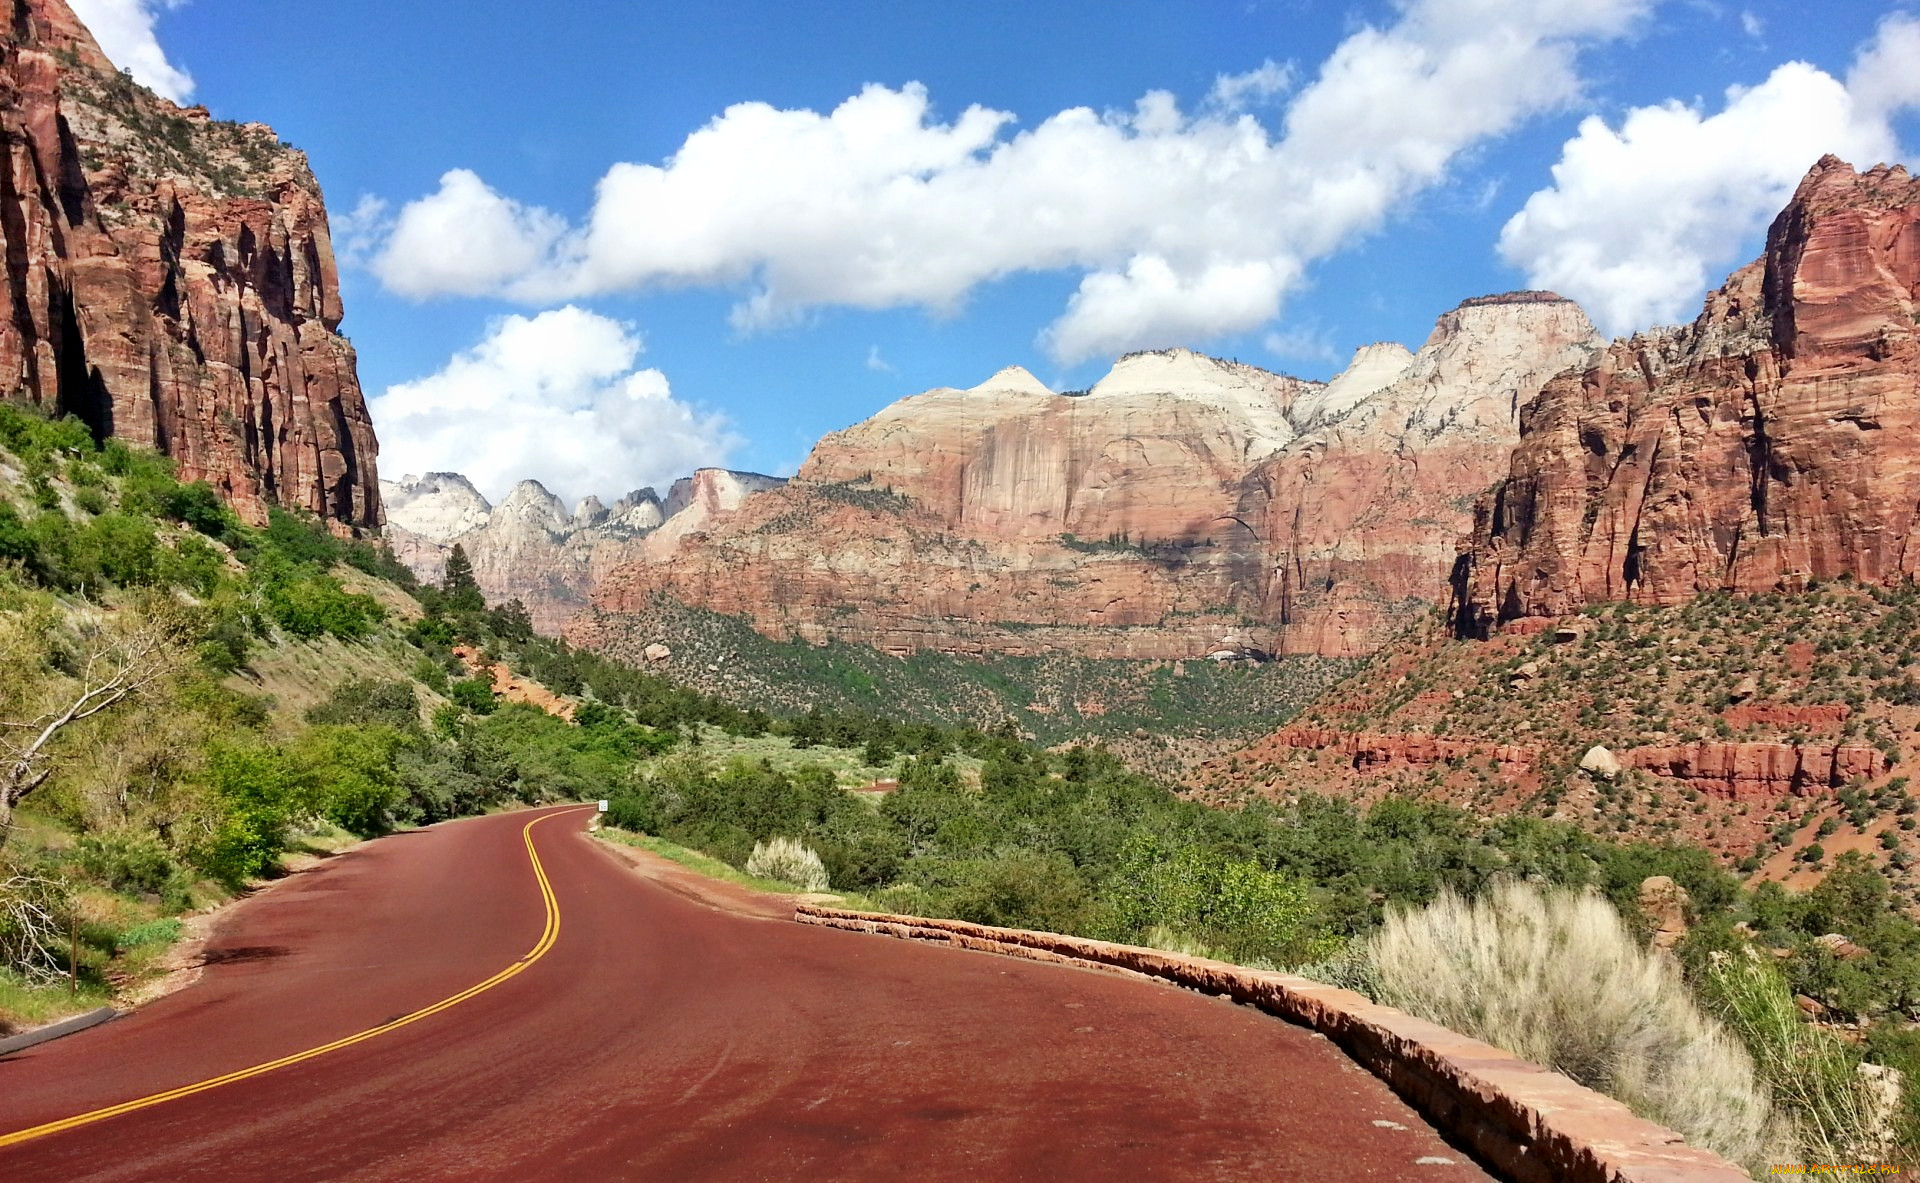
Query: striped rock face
x=171, y=281
x=1768, y=444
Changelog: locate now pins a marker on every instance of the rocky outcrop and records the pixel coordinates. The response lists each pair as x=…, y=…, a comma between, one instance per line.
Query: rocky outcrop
x=1768, y=444
x=530, y=547
x=1761, y=771
x=171, y=281
x=1184, y=505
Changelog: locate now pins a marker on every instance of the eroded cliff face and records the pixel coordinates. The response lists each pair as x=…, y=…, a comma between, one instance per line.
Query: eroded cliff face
x=1769, y=443
x=1183, y=506
x=171, y=281
x=1360, y=519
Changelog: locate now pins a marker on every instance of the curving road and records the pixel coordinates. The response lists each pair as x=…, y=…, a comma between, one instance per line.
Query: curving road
x=635, y=1022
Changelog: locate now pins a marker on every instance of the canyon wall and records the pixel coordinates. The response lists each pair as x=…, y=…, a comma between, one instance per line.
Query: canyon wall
x=171, y=281
x=1184, y=505
x=1768, y=444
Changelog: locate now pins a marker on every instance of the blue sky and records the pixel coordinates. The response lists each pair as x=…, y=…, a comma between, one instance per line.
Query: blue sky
x=546, y=277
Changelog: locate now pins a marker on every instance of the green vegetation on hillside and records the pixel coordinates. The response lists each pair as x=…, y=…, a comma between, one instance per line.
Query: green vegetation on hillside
x=1159, y=715
x=1838, y=663
x=141, y=777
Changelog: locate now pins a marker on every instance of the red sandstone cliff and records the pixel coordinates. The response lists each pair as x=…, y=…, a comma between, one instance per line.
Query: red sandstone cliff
x=1183, y=505
x=171, y=280
x=1769, y=443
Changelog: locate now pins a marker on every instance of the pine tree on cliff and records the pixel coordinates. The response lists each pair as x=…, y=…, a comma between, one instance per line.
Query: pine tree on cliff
x=462, y=591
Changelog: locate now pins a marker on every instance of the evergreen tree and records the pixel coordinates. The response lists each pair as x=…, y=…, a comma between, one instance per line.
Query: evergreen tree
x=462, y=591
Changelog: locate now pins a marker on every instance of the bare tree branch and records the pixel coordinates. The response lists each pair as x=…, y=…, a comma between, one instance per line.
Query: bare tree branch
x=118, y=665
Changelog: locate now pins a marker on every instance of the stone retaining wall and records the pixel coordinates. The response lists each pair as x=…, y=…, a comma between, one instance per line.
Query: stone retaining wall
x=1526, y=1123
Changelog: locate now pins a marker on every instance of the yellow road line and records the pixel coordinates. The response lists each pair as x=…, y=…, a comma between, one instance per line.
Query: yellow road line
x=547, y=938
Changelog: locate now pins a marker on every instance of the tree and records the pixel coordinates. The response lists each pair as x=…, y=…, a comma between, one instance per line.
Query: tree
x=462, y=590
x=119, y=657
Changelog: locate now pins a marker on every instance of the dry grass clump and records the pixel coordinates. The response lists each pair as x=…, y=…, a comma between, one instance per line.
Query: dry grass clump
x=786, y=860
x=1554, y=976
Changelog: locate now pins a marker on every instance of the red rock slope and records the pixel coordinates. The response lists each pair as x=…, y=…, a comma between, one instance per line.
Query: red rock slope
x=171, y=280
x=1770, y=443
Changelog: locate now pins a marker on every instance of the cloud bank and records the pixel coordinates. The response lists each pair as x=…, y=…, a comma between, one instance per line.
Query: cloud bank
x=124, y=29
x=555, y=398
x=1184, y=225
x=1643, y=216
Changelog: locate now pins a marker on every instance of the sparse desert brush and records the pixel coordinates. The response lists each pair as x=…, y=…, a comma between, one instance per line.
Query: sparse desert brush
x=1555, y=976
x=787, y=860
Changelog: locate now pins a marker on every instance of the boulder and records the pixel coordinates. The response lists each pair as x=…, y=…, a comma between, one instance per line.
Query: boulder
x=1840, y=947
x=1665, y=904
x=1600, y=762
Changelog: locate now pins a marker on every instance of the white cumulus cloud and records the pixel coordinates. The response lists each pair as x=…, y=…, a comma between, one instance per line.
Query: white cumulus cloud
x=555, y=398
x=124, y=29
x=465, y=239
x=1183, y=225
x=1643, y=216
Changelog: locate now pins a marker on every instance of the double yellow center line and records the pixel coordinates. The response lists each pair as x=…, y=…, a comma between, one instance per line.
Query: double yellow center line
x=547, y=938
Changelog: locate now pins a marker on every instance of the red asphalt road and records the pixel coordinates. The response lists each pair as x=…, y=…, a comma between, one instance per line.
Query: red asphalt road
x=668, y=1037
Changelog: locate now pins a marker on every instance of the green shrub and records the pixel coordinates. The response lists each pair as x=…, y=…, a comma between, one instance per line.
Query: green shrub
x=1021, y=889
x=193, y=564
x=1813, y=1077
x=474, y=695
x=1249, y=912
x=634, y=810
x=317, y=606
x=258, y=795
x=367, y=701
x=350, y=776
x=133, y=862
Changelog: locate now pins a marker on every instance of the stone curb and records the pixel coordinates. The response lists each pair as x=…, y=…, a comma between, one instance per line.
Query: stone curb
x=52, y=1031
x=1528, y=1124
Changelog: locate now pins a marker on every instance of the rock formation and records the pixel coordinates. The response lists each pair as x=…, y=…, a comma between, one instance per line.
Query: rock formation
x=171, y=281
x=1361, y=518
x=1762, y=772
x=529, y=547
x=1183, y=506
x=1767, y=444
